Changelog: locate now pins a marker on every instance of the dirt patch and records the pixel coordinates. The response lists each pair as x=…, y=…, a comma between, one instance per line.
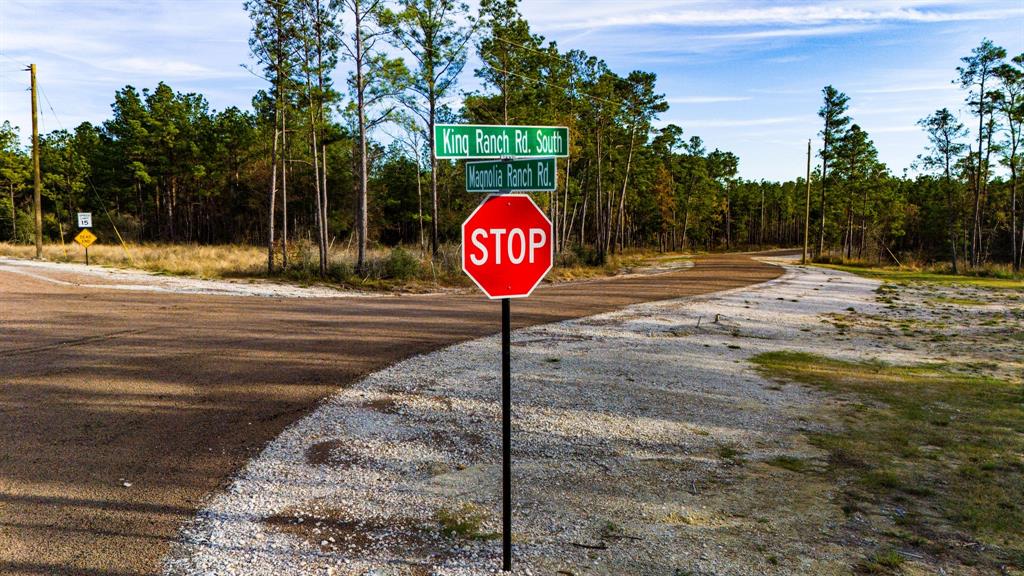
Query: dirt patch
x=335, y=530
x=332, y=453
x=384, y=405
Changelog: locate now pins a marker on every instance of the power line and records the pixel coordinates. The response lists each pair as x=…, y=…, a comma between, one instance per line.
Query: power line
x=2, y=55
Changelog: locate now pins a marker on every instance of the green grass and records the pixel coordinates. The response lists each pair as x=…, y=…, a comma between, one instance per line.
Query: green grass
x=466, y=522
x=957, y=301
x=904, y=276
x=791, y=463
x=946, y=446
x=885, y=562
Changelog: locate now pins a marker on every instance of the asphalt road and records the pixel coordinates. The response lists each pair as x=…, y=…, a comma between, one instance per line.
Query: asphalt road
x=120, y=411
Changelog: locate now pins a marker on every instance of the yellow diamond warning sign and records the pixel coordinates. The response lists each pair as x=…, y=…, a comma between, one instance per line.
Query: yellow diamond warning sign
x=85, y=238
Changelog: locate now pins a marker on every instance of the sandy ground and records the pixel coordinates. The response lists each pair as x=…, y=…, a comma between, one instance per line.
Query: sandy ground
x=641, y=441
x=120, y=410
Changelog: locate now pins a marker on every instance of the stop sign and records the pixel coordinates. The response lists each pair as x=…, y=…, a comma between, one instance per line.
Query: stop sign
x=506, y=246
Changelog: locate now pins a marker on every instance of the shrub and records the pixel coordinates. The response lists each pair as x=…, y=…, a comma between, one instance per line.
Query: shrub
x=401, y=265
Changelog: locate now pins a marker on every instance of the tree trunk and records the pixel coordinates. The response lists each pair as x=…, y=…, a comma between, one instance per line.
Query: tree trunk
x=321, y=248
x=433, y=180
x=284, y=190
x=821, y=231
x=323, y=207
x=622, y=197
x=272, y=196
x=419, y=207
x=566, y=225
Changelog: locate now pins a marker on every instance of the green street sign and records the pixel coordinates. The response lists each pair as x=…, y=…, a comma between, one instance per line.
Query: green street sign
x=534, y=175
x=480, y=141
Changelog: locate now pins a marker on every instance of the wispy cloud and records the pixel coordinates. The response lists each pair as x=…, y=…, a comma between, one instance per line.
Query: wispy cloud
x=903, y=88
x=893, y=129
x=715, y=14
x=705, y=99
x=776, y=33
x=743, y=123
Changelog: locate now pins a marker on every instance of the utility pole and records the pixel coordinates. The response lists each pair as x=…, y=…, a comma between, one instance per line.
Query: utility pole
x=807, y=203
x=36, y=183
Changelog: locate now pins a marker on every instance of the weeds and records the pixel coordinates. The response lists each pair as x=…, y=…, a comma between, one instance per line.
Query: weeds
x=926, y=438
x=465, y=521
x=791, y=463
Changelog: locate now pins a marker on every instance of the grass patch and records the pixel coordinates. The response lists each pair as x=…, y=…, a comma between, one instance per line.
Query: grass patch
x=885, y=562
x=465, y=521
x=946, y=446
x=791, y=463
x=957, y=301
x=901, y=276
x=730, y=454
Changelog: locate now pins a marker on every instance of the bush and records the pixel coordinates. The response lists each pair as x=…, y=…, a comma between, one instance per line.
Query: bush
x=567, y=258
x=401, y=265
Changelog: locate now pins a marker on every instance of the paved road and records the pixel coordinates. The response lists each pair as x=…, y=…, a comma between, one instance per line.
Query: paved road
x=173, y=393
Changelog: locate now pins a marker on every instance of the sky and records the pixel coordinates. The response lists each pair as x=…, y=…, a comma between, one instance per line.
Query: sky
x=745, y=76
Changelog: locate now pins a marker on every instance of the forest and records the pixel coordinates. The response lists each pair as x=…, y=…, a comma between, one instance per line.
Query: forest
x=324, y=160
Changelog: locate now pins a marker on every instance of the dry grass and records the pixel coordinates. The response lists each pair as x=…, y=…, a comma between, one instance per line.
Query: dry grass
x=240, y=261
x=402, y=268
x=181, y=259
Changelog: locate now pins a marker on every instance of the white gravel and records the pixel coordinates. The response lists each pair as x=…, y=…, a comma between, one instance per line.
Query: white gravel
x=71, y=274
x=624, y=425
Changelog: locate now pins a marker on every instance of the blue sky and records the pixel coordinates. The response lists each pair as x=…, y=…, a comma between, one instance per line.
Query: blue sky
x=745, y=76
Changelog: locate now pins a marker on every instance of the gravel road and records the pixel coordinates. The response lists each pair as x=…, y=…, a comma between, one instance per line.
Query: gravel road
x=121, y=410
x=628, y=430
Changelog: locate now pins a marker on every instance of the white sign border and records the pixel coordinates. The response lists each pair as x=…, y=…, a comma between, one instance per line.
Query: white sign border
x=507, y=191
x=551, y=246
x=495, y=157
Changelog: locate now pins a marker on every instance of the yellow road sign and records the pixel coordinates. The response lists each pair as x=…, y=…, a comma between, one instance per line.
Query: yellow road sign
x=85, y=238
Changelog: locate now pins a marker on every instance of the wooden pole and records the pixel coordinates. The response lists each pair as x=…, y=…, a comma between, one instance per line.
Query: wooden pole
x=36, y=181
x=807, y=204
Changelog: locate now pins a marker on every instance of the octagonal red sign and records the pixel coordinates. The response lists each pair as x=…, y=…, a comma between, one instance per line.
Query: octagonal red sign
x=506, y=246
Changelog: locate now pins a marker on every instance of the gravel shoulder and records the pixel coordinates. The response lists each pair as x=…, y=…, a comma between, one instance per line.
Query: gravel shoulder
x=643, y=443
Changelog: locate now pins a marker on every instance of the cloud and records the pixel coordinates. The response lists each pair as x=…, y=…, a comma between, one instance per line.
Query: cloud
x=776, y=33
x=743, y=123
x=164, y=68
x=893, y=129
x=714, y=14
x=902, y=88
x=706, y=99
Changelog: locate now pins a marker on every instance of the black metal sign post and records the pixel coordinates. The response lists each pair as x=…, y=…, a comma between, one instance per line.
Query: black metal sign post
x=506, y=434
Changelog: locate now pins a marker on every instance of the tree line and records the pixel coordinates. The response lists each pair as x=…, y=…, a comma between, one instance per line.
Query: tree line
x=323, y=160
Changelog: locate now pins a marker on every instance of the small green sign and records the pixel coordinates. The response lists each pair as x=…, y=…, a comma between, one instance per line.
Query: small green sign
x=533, y=175
x=480, y=141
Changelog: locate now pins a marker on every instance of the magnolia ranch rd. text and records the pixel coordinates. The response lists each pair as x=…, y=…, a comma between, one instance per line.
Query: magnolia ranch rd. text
x=529, y=175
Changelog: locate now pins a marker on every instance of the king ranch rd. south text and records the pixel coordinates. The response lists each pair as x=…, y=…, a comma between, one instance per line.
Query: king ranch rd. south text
x=456, y=142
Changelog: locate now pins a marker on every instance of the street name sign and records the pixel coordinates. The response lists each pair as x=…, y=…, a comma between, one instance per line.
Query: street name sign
x=85, y=219
x=506, y=246
x=85, y=238
x=477, y=141
x=511, y=175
